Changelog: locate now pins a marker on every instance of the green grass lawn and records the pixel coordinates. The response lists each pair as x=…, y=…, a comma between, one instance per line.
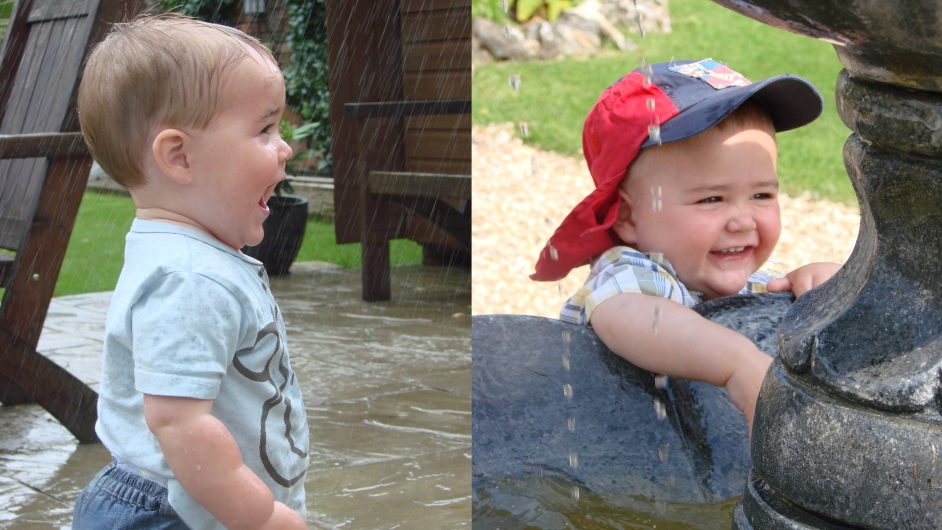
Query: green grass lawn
x=95, y=254
x=554, y=97
x=6, y=9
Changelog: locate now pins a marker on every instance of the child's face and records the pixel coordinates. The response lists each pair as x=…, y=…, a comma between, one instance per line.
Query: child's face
x=709, y=204
x=240, y=157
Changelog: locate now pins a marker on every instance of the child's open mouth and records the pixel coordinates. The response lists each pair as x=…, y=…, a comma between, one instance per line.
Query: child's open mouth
x=731, y=253
x=262, y=204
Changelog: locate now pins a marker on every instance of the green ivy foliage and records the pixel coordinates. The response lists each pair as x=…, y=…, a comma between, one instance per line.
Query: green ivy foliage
x=306, y=75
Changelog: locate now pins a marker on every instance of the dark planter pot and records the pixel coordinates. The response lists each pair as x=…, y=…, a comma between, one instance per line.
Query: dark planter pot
x=284, y=231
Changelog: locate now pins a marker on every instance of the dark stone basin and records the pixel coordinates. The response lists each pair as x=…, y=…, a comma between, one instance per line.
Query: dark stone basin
x=697, y=452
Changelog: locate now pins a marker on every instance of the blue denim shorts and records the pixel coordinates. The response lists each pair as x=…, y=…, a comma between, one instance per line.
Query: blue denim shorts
x=119, y=500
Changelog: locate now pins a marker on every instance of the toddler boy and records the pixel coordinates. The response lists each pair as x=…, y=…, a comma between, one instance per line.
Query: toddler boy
x=198, y=403
x=685, y=210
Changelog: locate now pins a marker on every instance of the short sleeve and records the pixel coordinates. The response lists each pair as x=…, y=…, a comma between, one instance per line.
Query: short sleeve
x=623, y=270
x=185, y=330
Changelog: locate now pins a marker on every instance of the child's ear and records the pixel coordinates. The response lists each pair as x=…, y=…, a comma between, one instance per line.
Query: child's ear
x=171, y=149
x=624, y=225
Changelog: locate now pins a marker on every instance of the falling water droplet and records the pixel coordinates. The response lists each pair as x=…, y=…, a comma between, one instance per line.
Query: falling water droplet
x=534, y=166
x=657, y=318
x=572, y=424
x=574, y=491
x=574, y=460
x=650, y=103
x=567, y=391
x=199, y=467
x=566, y=362
x=525, y=130
x=656, y=257
x=515, y=82
x=646, y=69
x=640, y=20
x=662, y=454
x=654, y=132
x=566, y=337
x=660, y=381
x=660, y=409
x=503, y=6
x=656, y=203
x=554, y=253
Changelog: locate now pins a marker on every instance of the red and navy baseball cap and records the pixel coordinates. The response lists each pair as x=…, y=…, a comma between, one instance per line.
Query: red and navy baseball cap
x=656, y=104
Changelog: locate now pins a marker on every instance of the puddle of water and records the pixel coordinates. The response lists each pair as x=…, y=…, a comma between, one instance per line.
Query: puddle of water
x=547, y=502
x=387, y=390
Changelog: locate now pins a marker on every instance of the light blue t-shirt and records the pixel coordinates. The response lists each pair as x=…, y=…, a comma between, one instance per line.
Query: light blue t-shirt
x=194, y=318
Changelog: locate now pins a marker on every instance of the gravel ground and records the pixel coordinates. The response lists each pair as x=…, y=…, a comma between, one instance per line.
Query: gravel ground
x=522, y=194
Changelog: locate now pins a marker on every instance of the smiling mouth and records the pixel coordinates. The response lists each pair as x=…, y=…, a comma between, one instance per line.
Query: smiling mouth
x=732, y=252
x=262, y=203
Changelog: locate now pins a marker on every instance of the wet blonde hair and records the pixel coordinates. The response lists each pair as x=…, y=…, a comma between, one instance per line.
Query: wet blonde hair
x=155, y=71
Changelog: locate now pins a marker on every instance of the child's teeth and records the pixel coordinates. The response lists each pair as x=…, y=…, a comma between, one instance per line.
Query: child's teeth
x=731, y=250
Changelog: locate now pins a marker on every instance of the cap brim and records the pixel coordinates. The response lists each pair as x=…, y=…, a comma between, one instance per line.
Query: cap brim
x=791, y=101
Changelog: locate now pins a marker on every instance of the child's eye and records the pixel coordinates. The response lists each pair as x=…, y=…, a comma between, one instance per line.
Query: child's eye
x=267, y=129
x=710, y=200
x=763, y=196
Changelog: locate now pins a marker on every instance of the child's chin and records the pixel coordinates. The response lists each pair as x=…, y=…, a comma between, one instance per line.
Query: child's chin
x=254, y=240
x=726, y=289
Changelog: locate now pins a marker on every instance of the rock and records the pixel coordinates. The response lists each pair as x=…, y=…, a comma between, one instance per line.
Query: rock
x=577, y=36
x=497, y=40
x=655, y=15
x=478, y=54
x=578, y=31
x=592, y=10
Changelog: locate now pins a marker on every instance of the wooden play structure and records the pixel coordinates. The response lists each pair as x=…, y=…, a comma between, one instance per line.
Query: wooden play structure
x=400, y=111
x=44, y=167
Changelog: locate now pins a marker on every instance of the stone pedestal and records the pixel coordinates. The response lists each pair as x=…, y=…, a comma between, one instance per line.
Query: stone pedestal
x=848, y=427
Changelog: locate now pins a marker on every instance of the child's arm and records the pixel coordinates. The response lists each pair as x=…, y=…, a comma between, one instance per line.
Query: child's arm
x=206, y=460
x=804, y=278
x=685, y=345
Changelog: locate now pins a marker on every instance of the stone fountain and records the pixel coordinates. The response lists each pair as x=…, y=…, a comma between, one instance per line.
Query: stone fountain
x=848, y=430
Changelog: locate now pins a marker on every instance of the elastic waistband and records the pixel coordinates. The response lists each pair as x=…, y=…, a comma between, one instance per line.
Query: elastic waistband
x=128, y=467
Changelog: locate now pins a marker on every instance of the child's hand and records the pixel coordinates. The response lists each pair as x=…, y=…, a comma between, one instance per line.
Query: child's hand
x=743, y=386
x=804, y=278
x=284, y=518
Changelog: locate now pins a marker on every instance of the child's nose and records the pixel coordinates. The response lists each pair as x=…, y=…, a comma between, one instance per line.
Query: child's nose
x=741, y=220
x=284, y=151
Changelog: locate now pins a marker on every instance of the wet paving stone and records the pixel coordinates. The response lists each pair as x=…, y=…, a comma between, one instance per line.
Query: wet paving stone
x=387, y=389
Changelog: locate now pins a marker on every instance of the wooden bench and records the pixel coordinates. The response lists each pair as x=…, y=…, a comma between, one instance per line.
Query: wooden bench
x=44, y=167
x=389, y=200
x=400, y=84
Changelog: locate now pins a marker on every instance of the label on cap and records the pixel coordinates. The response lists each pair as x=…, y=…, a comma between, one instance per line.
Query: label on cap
x=717, y=75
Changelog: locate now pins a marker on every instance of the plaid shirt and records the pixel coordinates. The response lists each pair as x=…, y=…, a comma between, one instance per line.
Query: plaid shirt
x=625, y=270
